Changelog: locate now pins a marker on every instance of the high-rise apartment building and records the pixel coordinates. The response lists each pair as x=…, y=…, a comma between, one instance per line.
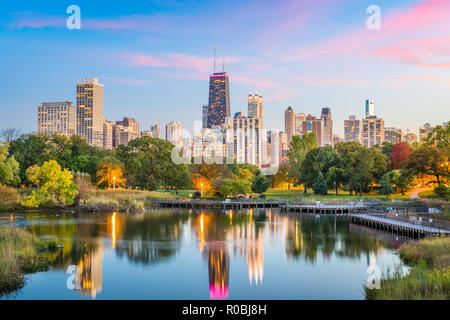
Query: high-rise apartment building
x=129, y=130
x=205, y=116
x=248, y=140
x=108, y=128
x=393, y=135
x=255, y=107
x=174, y=133
x=372, y=127
x=289, y=124
x=425, y=130
x=314, y=125
x=219, y=99
x=410, y=137
x=352, y=129
x=299, y=119
x=156, y=131
x=56, y=118
x=90, y=105
x=372, y=131
x=327, y=138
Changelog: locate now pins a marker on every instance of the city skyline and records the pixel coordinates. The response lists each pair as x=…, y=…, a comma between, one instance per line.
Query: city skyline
x=151, y=77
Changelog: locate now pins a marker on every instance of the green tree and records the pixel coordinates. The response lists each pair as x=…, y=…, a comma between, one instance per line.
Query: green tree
x=55, y=186
x=429, y=160
x=386, y=185
x=320, y=186
x=9, y=168
x=335, y=177
x=231, y=187
x=260, y=184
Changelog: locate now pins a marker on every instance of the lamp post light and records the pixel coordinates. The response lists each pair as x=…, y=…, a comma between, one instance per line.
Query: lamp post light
x=114, y=183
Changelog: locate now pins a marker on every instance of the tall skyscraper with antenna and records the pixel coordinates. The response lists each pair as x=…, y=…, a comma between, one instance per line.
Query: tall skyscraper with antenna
x=219, y=97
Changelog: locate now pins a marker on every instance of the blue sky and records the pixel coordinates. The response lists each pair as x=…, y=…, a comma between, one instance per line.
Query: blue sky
x=154, y=58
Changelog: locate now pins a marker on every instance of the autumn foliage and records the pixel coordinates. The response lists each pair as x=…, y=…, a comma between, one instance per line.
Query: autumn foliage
x=400, y=154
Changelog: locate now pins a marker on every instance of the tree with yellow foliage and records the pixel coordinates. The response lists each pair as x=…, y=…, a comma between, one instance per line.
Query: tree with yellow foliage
x=108, y=169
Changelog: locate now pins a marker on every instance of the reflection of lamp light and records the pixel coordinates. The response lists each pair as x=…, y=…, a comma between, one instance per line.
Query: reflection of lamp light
x=113, y=233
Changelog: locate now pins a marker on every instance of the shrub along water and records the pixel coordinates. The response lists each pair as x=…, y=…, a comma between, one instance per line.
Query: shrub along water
x=20, y=253
x=429, y=277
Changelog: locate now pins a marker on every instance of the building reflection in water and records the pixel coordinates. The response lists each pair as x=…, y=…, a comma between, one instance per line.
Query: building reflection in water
x=218, y=270
x=88, y=277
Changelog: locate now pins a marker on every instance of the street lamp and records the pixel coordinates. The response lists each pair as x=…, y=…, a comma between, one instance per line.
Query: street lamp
x=201, y=193
x=114, y=183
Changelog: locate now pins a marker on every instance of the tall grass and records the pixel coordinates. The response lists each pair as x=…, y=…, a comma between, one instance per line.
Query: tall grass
x=19, y=254
x=429, y=276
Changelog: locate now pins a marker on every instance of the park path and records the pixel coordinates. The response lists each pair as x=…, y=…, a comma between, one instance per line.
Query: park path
x=415, y=193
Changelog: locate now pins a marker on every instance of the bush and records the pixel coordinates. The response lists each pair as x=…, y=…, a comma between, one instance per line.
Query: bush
x=8, y=196
x=320, y=187
x=442, y=192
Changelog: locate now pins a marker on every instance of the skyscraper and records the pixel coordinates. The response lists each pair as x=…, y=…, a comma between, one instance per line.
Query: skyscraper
x=108, y=129
x=393, y=135
x=327, y=138
x=90, y=105
x=314, y=125
x=372, y=127
x=352, y=129
x=248, y=146
x=129, y=130
x=370, y=109
x=289, y=124
x=174, y=133
x=156, y=131
x=255, y=107
x=56, y=117
x=204, y=116
x=219, y=97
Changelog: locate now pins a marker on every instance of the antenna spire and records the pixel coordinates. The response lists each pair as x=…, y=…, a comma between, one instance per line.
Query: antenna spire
x=214, y=59
x=223, y=66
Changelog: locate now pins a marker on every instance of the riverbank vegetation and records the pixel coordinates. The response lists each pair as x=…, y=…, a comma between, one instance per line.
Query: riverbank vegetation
x=428, y=278
x=21, y=253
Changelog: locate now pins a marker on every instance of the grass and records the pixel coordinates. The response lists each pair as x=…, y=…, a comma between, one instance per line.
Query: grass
x=429, y=276
x=427, y=194
x=342, y=195
x=20, y=253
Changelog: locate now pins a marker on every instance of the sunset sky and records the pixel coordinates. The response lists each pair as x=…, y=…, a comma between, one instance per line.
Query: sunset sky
x=155, y=57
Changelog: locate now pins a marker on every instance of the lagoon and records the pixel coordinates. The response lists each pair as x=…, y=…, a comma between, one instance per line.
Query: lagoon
x=203, y=254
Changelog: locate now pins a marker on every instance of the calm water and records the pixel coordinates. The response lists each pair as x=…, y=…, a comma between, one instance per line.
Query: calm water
x=183, y=254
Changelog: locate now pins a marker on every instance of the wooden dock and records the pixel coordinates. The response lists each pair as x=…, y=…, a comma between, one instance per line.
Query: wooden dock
x=323, y=209
x=223, y=205
x=409, y=229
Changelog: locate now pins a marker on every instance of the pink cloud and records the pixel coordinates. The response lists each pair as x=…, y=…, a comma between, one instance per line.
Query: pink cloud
x=400, y=81
x=406, y=36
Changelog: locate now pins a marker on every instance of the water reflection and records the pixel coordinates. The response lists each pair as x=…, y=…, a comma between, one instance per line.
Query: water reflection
x=149, y=239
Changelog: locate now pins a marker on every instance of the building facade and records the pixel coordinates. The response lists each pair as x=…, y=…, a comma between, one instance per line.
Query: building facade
x=129, y=130
x=219, y=99
x=352, y=129
x=372, y=131
x=314, y=125
x=248, y=140
x=108, y=128
x=56, y=118
x=393, y=135
x=174, y=133
x=255, y=107
x=156, y=131
x=327, y=120
x=90, y=109
x=410, y=138
x=425, y=130
x=289, y=124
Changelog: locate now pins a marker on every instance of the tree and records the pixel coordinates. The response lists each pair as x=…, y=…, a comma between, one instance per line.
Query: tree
x=335, y=177
x=8, y=196
x=429, y=160
x=231, y=187
x=442, y=192
x=386, y=185
x=9, y=168
x=298, y=148
x=55, y=186
x=10, y=134
x=110, y=173
x=320, y=186
x=260, y=184
x=308, y=174
x=400, y=154
x=403, y=181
